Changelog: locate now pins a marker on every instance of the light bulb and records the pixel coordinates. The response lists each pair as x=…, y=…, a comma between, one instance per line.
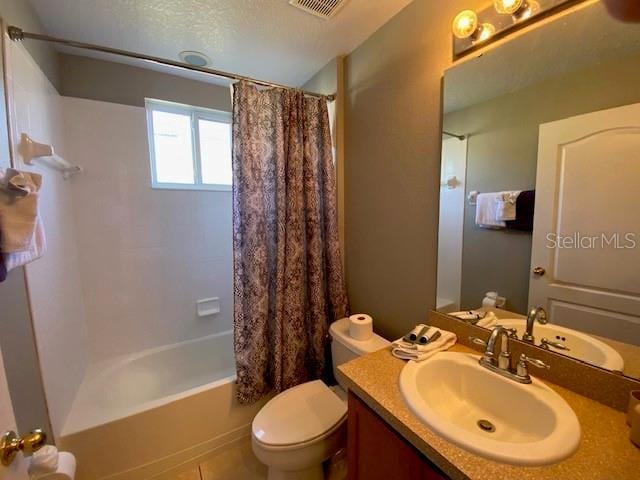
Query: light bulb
x=507, y=6
x=485, y=32
x=530, y=8
x=465, y=24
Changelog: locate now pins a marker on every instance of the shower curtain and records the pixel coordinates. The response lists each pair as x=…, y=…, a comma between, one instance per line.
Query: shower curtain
x=288, y=279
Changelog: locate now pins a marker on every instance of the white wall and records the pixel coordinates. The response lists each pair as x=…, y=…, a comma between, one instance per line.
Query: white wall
x=452, y=202
x=54, y=280
x=146, y=255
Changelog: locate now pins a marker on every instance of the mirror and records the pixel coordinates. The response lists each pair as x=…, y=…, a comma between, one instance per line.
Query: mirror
x=540, y=167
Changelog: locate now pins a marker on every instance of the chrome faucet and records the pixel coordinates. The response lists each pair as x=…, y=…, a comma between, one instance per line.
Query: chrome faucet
x=536, y=313
x=502, y=365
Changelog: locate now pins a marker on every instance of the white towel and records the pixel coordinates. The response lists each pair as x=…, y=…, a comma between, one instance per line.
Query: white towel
x=19, y=193
x=506, y=205
x=419, y=353
x=488, y=321
x=481, y=318
x=37, y=248
x=486, y=210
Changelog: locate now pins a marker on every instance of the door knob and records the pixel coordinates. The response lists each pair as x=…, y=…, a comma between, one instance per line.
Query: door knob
x=539, y=271
x=11, y=444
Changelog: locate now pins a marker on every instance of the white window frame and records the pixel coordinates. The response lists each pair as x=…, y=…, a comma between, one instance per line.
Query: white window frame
x=195, y=114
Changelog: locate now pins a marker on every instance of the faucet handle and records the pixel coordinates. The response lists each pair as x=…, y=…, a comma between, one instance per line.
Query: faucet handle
x=545, y=343
x=522, y=369
x=533, y=361
x=513, y=333
x=478, y=341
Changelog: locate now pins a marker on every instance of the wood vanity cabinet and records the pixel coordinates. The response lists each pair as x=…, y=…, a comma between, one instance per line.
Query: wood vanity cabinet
x=377, y=452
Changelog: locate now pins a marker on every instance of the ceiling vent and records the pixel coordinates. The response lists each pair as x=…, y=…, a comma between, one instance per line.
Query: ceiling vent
x=320, y=8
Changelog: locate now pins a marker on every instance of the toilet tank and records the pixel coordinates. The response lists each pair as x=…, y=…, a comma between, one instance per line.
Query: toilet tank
x=344, y=348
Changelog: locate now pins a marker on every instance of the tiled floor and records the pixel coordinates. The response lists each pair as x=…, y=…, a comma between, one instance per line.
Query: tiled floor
x=239, y=463
x=235, y=463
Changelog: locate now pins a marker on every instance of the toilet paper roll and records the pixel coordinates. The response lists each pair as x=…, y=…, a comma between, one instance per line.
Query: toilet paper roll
x=66, y=468
x=361, y=326
x=43, y=461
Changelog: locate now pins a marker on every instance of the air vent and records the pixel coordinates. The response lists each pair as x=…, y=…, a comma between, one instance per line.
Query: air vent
x=320, y=8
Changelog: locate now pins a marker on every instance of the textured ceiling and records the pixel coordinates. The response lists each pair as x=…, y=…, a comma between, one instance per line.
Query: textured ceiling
x=577, y=41
x=266, y=39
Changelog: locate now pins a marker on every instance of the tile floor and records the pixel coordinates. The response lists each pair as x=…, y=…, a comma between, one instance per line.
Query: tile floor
x=239, y=463
x=235, y=463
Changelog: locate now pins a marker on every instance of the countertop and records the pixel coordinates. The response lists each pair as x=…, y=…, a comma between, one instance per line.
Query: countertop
x=605, y=452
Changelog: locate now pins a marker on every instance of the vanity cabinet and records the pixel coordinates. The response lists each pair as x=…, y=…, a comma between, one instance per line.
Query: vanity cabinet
x=377, y=452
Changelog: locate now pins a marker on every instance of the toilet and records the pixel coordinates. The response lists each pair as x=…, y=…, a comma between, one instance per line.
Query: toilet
x=300, y=428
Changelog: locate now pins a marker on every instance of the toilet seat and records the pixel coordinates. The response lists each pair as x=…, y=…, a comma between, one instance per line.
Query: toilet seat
x=299, y=416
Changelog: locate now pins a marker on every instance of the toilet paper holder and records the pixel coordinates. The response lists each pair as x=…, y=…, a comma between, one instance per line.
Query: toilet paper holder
x=11, y=443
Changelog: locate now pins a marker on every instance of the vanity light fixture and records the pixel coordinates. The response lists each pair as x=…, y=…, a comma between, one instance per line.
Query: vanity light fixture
x=465, y=25
x=529, y=9
x=472, y=28
x=508, y=7
x=518, y=9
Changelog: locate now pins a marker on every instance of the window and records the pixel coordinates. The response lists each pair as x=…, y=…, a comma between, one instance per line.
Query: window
x=190, y=147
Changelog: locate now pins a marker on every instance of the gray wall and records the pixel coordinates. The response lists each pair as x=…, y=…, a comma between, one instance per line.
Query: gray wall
x=21, y=14
x=502, y=155
x=325, y=81
x=113, y=82
x=392, y=164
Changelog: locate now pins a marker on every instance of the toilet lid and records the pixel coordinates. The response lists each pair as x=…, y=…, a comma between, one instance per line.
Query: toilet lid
x=298, y=415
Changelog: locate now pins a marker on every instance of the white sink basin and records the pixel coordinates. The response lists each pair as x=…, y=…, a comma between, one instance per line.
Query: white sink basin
x=582, y=346
x=454, y=396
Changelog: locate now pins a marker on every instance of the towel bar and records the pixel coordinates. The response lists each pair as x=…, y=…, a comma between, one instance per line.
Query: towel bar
x=30, y=150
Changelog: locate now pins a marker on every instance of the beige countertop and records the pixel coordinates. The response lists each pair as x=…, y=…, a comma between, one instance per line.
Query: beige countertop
x=605, y=452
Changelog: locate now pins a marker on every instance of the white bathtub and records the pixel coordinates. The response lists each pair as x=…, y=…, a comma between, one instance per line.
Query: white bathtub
x=154, y=410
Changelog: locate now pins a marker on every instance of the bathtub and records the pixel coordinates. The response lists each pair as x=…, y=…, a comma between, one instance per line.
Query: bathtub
x=140, y=415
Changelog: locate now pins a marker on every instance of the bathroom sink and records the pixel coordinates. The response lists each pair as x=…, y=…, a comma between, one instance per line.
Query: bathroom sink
x=581, y=346
x=487, y=414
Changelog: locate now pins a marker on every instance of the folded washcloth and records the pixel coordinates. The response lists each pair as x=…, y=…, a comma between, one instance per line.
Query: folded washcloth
x=414, y=334
x=486, y=210
x=409, y=351
x=488, y=321
x=506, y=205
x=18, y=209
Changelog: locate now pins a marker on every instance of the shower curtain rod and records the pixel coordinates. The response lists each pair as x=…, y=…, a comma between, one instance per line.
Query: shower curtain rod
x=17, y=34
x=459, y=137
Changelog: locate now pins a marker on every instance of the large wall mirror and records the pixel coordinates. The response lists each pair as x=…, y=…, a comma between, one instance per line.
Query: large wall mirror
x=539, y=189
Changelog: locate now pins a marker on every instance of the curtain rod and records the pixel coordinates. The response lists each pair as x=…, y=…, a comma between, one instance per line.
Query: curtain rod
x=17, y=34
x=459, y=137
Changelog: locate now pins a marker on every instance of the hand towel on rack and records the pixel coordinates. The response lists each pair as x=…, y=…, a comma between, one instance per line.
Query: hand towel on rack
x=22, y=237
x=37, y=248
x=486, y=210
x=506, y=208
x=525, y=209
x=18, y=209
